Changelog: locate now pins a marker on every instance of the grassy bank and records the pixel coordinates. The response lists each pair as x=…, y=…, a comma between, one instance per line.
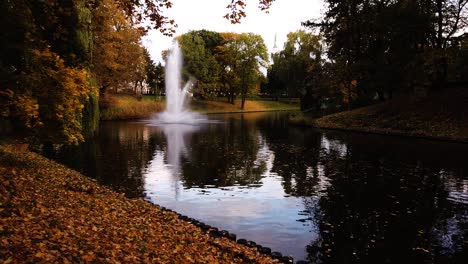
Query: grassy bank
x=52, y=214
x=212, y=107
x=442, y=115
x=121, y=107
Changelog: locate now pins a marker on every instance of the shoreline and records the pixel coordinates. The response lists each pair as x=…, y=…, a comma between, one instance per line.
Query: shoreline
x=205, y=113
x=385, y=133
x=51, y=213
x=441, y=116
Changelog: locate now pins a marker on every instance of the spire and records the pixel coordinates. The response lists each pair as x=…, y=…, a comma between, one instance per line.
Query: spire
x=275, y=47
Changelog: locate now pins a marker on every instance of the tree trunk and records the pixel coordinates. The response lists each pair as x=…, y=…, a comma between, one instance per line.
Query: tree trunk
x=232, y=98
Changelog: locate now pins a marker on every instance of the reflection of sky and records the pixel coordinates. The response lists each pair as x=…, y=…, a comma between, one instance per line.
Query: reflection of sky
x=264, y=214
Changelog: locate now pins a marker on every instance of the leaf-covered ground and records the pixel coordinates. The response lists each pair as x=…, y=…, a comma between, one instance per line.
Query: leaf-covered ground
x=441, y=115
x=52, y=214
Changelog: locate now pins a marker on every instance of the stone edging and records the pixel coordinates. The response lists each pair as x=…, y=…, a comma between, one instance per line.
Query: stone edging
x=214, y=232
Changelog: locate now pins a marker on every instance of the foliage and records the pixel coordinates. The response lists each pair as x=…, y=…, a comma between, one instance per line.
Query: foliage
x=241, y=57
x=43, y=67
x=58, y=91
x=99, y=37
x=391, y=46
x=224, y=64
x=154, y=76
x=119, y=58
x=299, y=69
x=237, y=8
x=198, y=48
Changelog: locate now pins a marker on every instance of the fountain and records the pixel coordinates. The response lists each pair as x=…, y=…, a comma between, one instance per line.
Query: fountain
x=176, y=112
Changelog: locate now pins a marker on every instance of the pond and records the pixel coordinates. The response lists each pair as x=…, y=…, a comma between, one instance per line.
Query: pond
x=325, y=196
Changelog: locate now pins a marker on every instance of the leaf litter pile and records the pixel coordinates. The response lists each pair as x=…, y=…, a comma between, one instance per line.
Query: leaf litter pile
x=50, y=213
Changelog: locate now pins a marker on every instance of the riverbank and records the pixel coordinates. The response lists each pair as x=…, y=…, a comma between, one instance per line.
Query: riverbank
x=442, y=115
x=50, y=214
x=124, y=107
x=219, y=107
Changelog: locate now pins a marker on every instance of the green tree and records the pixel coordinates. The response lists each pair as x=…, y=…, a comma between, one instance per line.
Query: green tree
x=241, y=57
x=298, y=69
x=198, y=48
x=252, y=55
x=155, y=77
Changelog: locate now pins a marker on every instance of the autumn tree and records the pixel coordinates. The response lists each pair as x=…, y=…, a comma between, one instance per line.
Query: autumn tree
x=392, y=46
x=118, y=61
x=45, y=83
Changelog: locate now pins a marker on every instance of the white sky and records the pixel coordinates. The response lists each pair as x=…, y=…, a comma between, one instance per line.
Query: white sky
x=285, y=16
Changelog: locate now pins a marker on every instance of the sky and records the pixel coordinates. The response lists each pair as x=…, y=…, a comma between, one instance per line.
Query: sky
x=284, y=16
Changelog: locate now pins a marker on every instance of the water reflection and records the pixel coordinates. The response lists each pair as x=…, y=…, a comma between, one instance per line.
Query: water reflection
x=330, y=197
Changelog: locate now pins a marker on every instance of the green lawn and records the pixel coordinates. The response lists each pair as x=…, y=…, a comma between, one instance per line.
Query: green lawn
x=120, y=107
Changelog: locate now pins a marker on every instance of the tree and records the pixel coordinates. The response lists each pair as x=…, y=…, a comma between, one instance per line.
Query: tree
x=388, y=46
x=199, y=48
x=155, y=77
x=297, y=70
x=227, y=54
x=241, y=57
x=45, y=84
x=252, y=55
x=118, y=59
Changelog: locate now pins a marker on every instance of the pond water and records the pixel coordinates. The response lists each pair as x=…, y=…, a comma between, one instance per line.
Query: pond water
x=325, y=196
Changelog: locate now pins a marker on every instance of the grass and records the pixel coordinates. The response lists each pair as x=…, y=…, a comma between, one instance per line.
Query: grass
x=211, y=107
x=121, y=107
x=441, y=115
x=52, y=214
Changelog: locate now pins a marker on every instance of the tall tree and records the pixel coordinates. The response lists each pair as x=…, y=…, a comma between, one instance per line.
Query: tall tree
x=297, y=70
x=241, y=57
x=118, y=61
x=198, y=48
x=44, y=56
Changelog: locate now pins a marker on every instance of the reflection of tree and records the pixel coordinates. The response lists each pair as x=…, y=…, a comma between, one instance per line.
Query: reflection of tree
x=296, y=161
x=116, y=157
x=227, y=159
x=378, y=208
x=375, y=201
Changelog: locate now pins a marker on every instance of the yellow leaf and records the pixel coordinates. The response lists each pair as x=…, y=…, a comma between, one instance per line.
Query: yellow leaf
x=39, y=255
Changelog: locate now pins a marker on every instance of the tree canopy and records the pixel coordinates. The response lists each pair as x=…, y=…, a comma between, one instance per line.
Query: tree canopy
x=224, y=64
x=372, y=50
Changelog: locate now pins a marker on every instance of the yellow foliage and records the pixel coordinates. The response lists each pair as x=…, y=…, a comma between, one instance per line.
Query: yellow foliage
x=349, y=91
x=53, y=105
x=29, y=108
